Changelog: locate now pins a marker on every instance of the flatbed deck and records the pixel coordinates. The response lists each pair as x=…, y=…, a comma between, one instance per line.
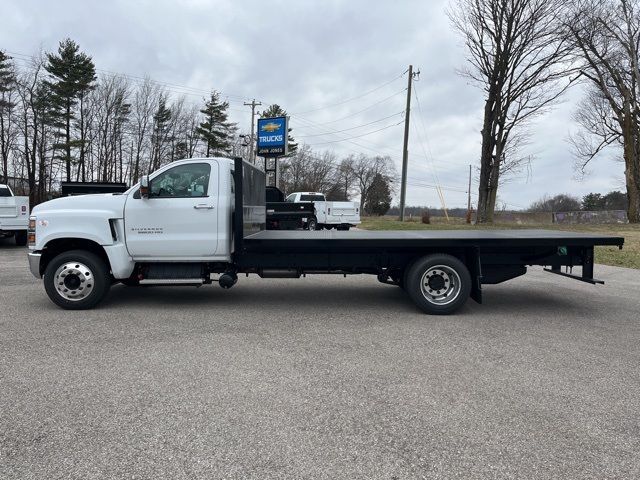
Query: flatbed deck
x=274, y=240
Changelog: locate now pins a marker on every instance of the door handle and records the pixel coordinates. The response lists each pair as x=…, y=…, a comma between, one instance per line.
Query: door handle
x=203, y=206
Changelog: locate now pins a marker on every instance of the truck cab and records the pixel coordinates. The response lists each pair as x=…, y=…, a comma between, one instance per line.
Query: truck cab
x=14, y=215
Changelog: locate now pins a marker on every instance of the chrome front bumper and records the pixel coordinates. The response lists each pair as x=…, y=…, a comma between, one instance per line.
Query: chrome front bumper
x=34, y=263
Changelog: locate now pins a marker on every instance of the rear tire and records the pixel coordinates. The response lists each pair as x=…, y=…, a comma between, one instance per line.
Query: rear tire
x=21, y=238
x=439, y=284
x=76, y=280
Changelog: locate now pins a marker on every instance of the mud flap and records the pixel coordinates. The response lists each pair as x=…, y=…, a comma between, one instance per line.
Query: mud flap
x=475, y=269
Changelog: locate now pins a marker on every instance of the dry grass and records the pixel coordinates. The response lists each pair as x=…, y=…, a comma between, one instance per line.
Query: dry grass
x=629, y=256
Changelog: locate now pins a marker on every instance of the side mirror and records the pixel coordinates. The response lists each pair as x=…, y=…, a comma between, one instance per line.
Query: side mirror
x=144, y=186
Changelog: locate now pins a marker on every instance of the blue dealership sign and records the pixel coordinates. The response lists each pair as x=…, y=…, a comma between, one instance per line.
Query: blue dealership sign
x=272, y=137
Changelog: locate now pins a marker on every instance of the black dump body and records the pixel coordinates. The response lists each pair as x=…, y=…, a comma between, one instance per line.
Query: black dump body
x=492, y=256
x=282, y=215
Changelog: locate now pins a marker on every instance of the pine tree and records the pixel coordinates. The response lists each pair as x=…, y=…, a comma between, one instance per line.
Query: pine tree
x=72, y=75
x=161, y=123
x=216, y=130
x=7, y=83
x=276, y=110
x=379, y=198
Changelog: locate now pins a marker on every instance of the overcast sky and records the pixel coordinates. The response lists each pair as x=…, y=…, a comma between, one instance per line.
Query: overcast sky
x=331, y=61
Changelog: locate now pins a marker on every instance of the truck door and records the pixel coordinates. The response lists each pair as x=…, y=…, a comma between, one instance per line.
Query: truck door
x=179, y=219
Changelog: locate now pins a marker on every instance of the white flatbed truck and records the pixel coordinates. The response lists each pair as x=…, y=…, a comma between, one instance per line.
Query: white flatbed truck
x=200, y=221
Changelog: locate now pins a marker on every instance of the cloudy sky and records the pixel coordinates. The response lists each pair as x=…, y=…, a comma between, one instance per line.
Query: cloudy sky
x=335, y=65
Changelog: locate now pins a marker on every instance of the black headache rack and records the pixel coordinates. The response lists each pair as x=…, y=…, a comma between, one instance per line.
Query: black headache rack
x=250, y=213
x=492, y=256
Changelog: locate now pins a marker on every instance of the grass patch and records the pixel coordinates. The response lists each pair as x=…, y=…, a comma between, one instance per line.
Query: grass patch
x=628, y=257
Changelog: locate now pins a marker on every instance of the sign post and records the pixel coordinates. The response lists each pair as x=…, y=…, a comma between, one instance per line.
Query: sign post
x=272, y=142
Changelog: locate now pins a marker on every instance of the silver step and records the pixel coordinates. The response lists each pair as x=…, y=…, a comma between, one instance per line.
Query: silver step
x=172, y=281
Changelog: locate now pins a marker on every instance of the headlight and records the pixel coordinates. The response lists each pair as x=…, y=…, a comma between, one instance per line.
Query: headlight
x=31, y=232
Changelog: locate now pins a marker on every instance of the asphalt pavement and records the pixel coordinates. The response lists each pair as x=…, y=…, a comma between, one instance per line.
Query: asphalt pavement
x=322, y=377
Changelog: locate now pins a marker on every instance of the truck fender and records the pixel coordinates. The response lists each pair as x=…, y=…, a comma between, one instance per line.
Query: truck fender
x=115, y=256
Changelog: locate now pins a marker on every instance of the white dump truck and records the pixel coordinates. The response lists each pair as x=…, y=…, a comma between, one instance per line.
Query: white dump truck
x=14, y=215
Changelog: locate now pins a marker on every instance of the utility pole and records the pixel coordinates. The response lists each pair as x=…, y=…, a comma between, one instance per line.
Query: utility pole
x=405, y=149
x=469, y=198
x=252, y=150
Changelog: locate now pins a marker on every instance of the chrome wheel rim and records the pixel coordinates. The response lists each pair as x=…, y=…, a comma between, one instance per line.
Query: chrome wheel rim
x=440, y=285
x=73, y=281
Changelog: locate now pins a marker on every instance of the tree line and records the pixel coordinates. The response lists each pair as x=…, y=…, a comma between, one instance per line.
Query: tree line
x=525, y=54
x=614, y=200
x=61, y=121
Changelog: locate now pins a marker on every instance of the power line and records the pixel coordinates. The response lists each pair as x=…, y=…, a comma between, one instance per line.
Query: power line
x=182, y=89
x=358, y=136
x=352, y=98
x=354, y=128
x=359, y=111
x=376, y=150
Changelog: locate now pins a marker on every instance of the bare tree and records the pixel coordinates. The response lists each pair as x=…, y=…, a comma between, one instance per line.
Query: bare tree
x=145, y=103
x=307, y=170
x=366, y=169
x=606, y=35
x=517, y=56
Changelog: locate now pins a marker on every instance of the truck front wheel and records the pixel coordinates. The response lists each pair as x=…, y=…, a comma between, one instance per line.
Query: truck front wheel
x=439, y=284
x=21, y=238
x=76, y=280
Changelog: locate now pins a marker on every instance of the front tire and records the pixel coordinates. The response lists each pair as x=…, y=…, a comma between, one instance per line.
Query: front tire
x=21, y=238
x=76, y=280
x=439, y=284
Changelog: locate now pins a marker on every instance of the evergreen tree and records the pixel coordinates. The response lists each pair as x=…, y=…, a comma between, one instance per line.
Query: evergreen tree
x=159, y=136
x=7, y=83
x=72, y=75
x=276, y=110
x=379, y=198
x=216, y=130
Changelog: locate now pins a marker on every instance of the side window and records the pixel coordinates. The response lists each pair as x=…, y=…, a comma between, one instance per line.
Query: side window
x=191, y=180
x=291, y=198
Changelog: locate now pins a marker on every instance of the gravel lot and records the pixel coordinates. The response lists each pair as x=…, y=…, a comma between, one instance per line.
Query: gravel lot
x=323, y=377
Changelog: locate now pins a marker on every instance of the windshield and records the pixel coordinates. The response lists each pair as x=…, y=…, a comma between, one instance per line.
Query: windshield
x=4, y=191
x=312, y=198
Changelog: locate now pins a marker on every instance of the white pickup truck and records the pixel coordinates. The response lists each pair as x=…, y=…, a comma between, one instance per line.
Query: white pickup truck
x=328, y=215
x=14, y=215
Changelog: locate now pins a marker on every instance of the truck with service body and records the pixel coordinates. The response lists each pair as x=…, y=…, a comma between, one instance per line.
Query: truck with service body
x=327, y=215
x=14, y=215
x=200, y=221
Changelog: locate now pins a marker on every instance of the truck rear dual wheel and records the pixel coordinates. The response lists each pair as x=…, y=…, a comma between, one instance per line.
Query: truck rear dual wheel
x=76, y=280
x=439, y=284
x=21, y=238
